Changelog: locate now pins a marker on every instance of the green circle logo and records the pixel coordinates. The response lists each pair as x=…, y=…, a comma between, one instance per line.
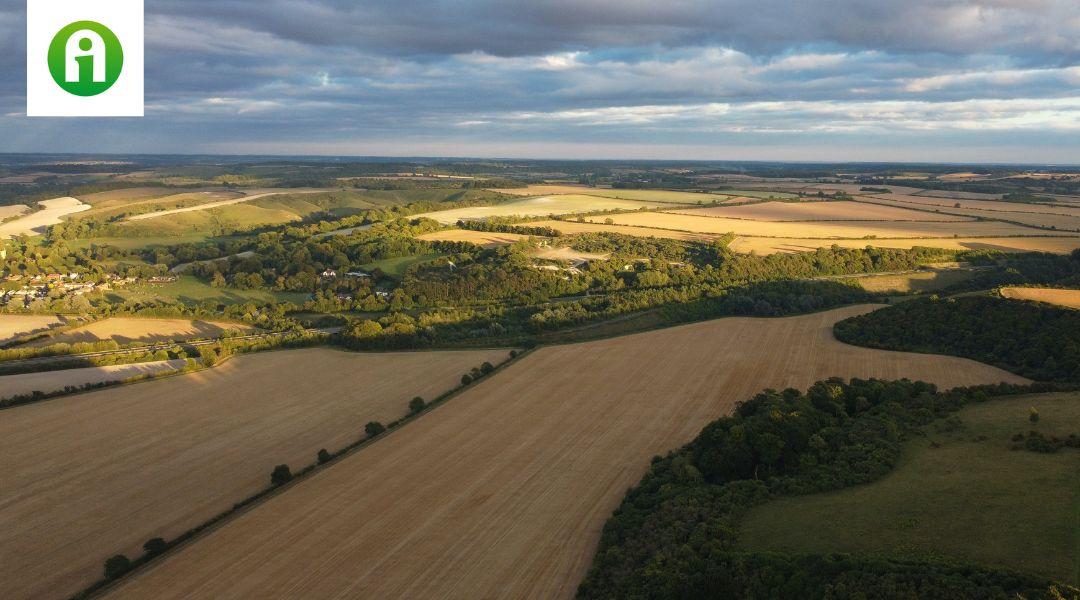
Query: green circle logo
x=85, y=58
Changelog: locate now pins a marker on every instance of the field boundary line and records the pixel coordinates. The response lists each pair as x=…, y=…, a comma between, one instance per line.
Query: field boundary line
x=103, y=586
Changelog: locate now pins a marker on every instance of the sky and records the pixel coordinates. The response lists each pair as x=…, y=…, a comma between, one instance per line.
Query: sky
x=828, y=80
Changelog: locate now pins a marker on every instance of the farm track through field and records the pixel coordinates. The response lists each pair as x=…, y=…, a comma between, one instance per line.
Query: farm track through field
x=502, y=491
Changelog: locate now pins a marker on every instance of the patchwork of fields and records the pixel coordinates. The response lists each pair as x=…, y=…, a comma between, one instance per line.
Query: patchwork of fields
x=816, y=229
x=96, y=474
x=540, y=206
x=502, y=492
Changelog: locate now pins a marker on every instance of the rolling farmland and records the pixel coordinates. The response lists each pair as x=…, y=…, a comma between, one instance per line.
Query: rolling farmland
x=1054, y=244
x=817, y=211
x=91, y=475
x=662, y=196
x=502, y=492
x=35, y=223
x=818, y=229
x=538, y=207
x=128, y=330
x=14, y=326
x=486, y=239
x=53, y=381
x=1066, y=298
x=572, y=227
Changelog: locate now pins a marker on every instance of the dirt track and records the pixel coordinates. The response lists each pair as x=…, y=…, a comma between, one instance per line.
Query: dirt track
x=501, y=493
x=88, y=476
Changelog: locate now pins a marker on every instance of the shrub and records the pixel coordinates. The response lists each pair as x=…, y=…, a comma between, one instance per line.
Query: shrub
x=487, y=368
x=416, y=405
x=115, y=566
x=155, y=546
x=323, y=457
x=1033, y=415
x=374, y=428
x=280, y=475
x=466, y=379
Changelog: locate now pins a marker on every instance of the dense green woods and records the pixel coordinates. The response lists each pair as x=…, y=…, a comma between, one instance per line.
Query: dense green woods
x=1035, y=340
x=675, y=534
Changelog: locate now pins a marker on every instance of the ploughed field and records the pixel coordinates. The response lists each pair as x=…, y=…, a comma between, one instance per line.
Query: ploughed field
x=96, y=474
x=127, y=330
x=502, y=491
x=1067, y=298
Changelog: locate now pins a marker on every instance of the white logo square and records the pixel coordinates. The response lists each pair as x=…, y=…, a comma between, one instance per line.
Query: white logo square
x=84, y=58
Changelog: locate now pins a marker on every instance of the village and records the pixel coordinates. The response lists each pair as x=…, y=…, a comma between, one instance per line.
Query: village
x=64, y=285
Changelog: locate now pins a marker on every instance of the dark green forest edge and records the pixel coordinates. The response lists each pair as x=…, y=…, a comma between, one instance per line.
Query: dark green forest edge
x=1037, y=340
x=675, y=534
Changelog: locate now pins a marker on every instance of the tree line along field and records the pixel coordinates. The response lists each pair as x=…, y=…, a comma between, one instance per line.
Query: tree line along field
x=48, y=382
x=130, y=330
x=503, y=490
x=1066, y=298
x=96, y=474
x=926, y=508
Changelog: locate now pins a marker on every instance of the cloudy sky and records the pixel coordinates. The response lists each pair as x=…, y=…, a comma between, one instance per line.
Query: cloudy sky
x=912, y=80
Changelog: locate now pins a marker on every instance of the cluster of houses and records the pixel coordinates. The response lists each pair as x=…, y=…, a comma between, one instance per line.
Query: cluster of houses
x=67, y=284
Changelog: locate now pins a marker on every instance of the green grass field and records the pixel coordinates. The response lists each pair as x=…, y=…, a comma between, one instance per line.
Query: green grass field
x=396, y=267
x=908, y=283
x=190, y=290
x=971, y=499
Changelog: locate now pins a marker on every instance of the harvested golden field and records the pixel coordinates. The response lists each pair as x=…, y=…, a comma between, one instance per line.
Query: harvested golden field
x=96, y=474
x=569, y=254
x=541, y=206
x=762, y=245
x=12, y=210
x=486, y=239
x=816, y=211
x=35, y=223
x=663, y=196
x=52, y=381
x=128, y=330
x=1067, y=298
x=502, y=492
x=572, y=227
x=14, y=326
x=817, y=229
x=1061, y=217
